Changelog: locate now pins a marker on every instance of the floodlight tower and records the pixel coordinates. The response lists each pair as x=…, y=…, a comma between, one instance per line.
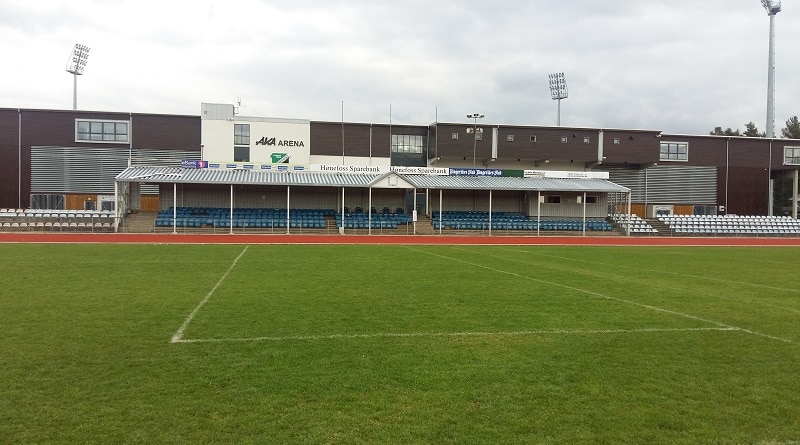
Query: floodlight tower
x=773, y=7
x=475, y=116
x=558, y=90
x=75, y=66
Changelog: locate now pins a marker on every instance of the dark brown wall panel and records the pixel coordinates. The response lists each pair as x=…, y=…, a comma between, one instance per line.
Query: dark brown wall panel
x=359, y=139
x=166, y=132
x=9, y=158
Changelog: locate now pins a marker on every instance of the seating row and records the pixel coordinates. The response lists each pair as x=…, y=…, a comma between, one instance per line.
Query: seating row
x=54, y=214
x=218, y=212
x=197, y=222
x=732, y=225
x=13, y=226
x=363, y=223
x=550, y=225
x=633, y=224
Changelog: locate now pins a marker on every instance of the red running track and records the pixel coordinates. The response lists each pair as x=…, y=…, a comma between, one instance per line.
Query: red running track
x=150, y=238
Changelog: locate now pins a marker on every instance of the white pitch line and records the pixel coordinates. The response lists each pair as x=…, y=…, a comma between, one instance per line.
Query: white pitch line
x=178, y=337
x=454, y=334
x=607, y=297
x=669, y=272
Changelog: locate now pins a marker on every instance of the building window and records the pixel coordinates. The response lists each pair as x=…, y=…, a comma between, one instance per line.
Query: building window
x=674, y=151
x=509, y=138
x=241, y=154
x=479, y=136
x=553, y=199
x=101, y=131
x=791, y=156
x=616, y=141
x=592, y=199
x=453, y=136
x=586, y=140
x=533, y=138
x=564, y=139
x=408, y=143
x=241, y=134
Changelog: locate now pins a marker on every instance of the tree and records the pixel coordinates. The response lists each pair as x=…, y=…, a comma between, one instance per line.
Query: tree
x=792, y=130
x=718, y=131
x=752, y=132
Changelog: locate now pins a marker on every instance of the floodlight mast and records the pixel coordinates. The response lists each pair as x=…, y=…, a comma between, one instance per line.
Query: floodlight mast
x=475, y=116
x=773, y=7
x=558, y=91
x=75, y=66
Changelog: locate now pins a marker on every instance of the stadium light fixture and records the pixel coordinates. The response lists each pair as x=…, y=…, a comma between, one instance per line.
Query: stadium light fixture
x=75, y=66
x=558, y=91
x=474, y=116
x=773, y=7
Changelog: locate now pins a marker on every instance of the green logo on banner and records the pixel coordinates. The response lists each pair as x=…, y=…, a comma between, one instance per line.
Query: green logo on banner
x=280, y=158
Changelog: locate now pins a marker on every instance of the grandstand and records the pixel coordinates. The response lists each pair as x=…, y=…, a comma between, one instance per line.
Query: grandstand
x=14, y=220
x=716, y=225
x=466, y=220
x=219, y=172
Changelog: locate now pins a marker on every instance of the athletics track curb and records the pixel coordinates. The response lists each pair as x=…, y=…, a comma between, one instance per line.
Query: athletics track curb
x=150, y=238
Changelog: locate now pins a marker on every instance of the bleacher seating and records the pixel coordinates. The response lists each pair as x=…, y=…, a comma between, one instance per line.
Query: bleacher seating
x=469, y=220
x=56, y=220
x=714, y=225
x=636, y=224
x=217, y=217
x=382, y=220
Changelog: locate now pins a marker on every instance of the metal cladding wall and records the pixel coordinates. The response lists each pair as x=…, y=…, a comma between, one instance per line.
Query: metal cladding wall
x=580, y=146
x=446, y=147
x=9, y=159
x=743, y=167
x=357, y=139
x=734, y=171
x=56, y=129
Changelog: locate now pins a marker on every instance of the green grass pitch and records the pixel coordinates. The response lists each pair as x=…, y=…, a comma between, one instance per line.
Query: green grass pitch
x=398, y=344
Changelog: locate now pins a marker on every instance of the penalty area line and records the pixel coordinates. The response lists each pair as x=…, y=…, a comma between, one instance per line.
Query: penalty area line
x=546, y=332
x=178, y=337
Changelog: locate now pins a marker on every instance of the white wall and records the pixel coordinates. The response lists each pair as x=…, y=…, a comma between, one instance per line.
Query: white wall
x=267, y=136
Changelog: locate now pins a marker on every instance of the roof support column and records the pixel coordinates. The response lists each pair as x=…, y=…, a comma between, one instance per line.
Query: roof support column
x=369, y=212
x=628, y=225
x=288, y=218
x=538, y=212
x=414, y=211
x=174, y=207
x=490, y=213
x=795, y=193
x=440, y=211
x=341, y=229
x=231, y=215
x=584, y=213
x=116, y=205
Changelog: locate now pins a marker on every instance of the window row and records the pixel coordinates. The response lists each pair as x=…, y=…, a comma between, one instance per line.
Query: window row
x=408, y=143
x=674, y=151
x=101, y=131
x=791, y=156
x=532, y=138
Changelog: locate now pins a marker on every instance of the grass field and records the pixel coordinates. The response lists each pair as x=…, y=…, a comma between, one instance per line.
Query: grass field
x=398, y=344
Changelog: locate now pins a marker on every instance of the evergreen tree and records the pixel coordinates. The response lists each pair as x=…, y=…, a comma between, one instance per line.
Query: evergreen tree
x=792, y=130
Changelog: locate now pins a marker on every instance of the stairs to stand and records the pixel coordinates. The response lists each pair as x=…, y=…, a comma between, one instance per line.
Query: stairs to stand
x=659, y=225
x=424, y=226
x=142, y=222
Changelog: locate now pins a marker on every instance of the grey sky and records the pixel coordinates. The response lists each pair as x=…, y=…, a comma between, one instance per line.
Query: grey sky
x=674, y=65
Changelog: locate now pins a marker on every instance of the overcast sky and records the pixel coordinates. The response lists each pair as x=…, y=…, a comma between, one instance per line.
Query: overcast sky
x=674, y=65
